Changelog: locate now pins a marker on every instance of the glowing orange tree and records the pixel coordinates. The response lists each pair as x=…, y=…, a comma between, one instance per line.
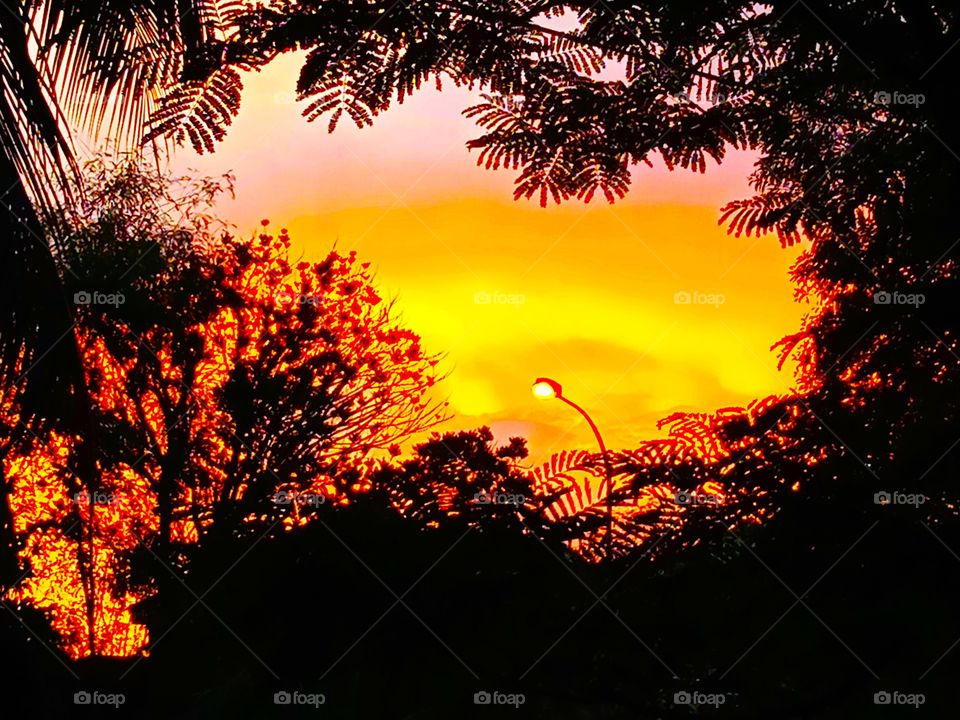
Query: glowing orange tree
x=232, y=392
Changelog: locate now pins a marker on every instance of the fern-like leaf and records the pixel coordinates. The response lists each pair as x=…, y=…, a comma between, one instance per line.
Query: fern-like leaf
x=199, y=110
x=773, y=211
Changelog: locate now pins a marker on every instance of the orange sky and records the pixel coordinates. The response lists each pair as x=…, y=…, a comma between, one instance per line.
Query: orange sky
x=581, y=293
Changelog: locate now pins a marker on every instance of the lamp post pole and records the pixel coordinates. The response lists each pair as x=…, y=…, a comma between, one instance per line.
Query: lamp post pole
x=544, y=388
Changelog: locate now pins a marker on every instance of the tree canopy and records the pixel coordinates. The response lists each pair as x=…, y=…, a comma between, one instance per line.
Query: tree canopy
x=232, y=388
x=855, y=141
x=232, y=391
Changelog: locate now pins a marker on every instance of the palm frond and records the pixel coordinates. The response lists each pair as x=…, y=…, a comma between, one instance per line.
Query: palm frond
x=114, y=61
x=35, y=160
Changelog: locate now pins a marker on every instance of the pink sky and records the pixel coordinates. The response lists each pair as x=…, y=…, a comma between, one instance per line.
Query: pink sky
x=598, y=282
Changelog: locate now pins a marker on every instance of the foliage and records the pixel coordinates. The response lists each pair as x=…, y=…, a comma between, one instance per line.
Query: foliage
x=576, y=94
x=107, y=67
x=460, y=478
x=232, y=392
x=714, y=473
x=104, y=67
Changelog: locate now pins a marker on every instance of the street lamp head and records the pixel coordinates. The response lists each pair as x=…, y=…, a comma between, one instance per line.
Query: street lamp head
x=546, y=388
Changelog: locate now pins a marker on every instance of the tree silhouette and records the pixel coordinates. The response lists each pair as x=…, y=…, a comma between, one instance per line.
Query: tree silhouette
x=854, y=142
x=846, y=104
x=575, y=94
x=459, y=477
x=105, y=68
x=233, y=392
x=714, y=473
x=101, y=67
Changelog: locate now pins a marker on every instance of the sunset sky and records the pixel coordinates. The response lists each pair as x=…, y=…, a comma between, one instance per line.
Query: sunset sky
x=584, y=294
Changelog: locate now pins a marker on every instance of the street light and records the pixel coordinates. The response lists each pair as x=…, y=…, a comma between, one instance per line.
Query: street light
x=545, y=388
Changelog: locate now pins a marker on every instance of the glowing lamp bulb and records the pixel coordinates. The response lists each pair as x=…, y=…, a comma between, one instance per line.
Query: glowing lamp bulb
x=545, y=388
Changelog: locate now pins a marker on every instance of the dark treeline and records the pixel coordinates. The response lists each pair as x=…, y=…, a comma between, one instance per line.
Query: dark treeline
x=828, y=575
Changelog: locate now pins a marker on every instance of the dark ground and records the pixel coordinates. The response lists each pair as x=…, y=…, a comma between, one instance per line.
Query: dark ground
x=505, y=614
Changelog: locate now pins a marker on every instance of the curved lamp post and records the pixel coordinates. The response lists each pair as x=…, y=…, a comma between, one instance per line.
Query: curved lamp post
x=545, y=388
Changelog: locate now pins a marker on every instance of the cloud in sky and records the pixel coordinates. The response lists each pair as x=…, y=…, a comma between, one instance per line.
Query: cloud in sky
x=592, y=295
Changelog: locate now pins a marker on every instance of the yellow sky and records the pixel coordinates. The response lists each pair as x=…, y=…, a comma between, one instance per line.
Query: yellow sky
x=586, y=294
